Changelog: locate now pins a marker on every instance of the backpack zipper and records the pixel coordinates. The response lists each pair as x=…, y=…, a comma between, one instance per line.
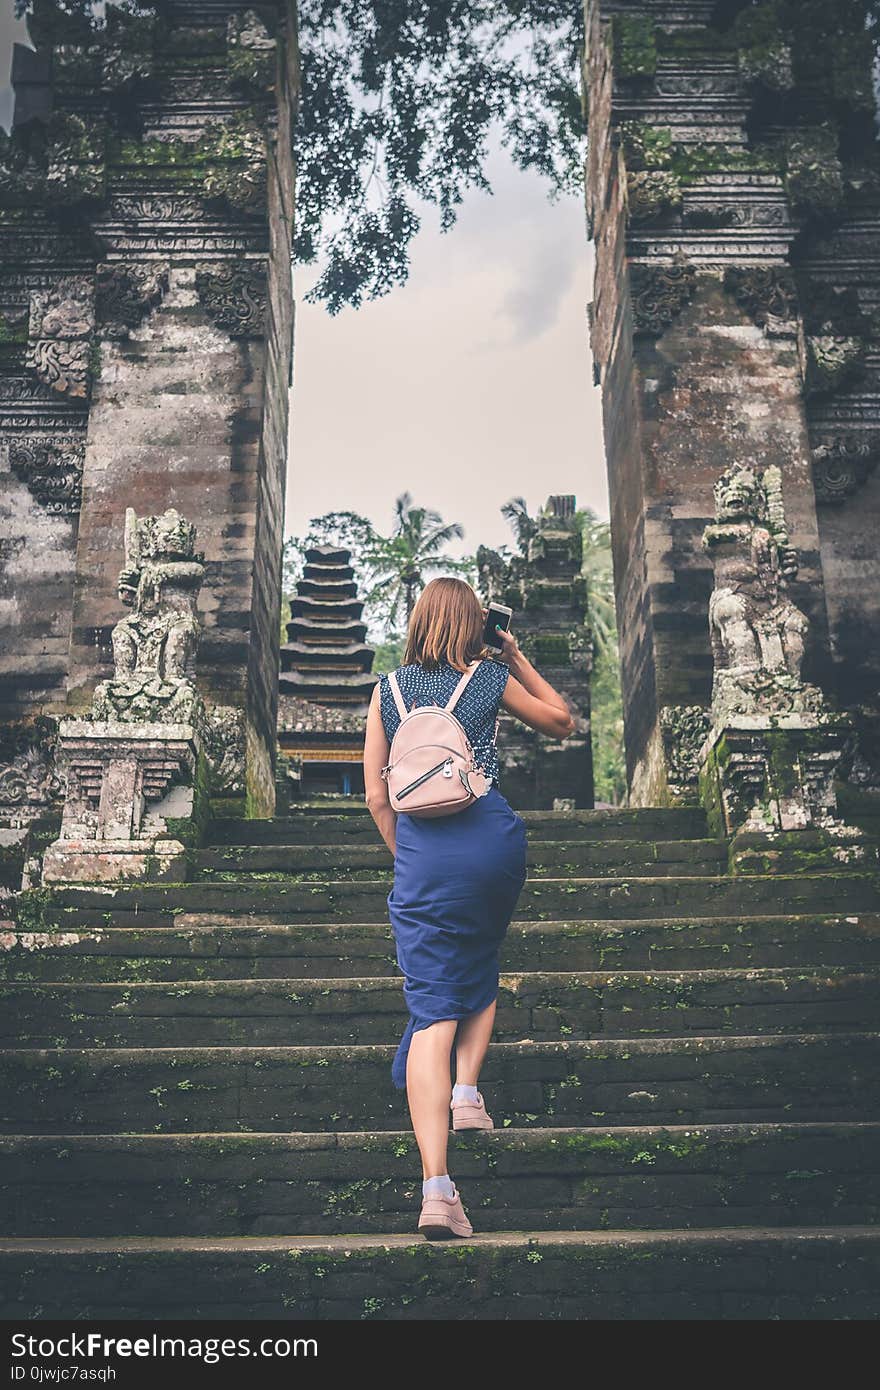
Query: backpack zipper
x=447, y=762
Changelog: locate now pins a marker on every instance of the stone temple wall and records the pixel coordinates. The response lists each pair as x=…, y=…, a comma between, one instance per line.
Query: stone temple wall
x=146, y=202
x=733, y=190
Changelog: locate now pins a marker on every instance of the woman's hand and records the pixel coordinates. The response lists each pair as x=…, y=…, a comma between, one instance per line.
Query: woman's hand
x=509, y=645
x=510, y=651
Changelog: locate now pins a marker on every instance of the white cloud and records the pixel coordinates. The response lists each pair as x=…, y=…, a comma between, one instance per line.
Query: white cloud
x=470, y=384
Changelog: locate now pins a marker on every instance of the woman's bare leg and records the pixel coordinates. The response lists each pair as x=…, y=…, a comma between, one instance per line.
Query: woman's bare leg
x=471, y=1042
x=429, y=1091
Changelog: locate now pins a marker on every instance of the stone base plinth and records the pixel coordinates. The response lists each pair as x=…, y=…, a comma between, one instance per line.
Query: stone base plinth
x=769, y=785
x=132, y=789
x=112, y=861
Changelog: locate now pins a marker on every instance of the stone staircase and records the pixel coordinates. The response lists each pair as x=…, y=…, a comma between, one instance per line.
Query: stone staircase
x=199, y=1119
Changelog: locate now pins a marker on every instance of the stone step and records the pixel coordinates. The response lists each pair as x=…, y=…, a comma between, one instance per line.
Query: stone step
x=191, y=947
x=546, y=859
x=801, y=1273
x=542, y=1179
x=341, y=821
x=532, y=1005
x=696, y=1080
x=256, y=901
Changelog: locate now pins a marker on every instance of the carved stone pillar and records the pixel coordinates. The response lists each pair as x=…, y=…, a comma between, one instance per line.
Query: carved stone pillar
x=146, y=208
x=547, y=591
x=725, y=146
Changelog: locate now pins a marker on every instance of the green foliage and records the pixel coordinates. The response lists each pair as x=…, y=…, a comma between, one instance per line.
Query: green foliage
x=399, y=98
x=606, y=717
x=597, y=570
x=609, y=764
x=389, y=655
x=524, y=526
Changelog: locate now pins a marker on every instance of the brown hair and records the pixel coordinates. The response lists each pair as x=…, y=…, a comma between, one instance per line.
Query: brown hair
x=446, y=625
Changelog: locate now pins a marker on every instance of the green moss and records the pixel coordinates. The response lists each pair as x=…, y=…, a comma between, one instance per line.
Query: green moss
x=634, y=46
x=683, y=43
x=646, y=146
x=764, y=45
x=13, y=330
x=551, y=649
x=31, y=909
x=227, y=163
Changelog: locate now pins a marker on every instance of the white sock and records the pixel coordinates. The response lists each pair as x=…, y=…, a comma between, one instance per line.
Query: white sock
x=469, y=1093
x=438, y=1187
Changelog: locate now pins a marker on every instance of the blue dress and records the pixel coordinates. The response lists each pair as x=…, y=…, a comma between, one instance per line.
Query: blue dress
x=456, y=878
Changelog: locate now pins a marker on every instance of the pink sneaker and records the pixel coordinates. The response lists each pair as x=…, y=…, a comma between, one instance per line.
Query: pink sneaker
x=468, y=1114
x=443, y=1217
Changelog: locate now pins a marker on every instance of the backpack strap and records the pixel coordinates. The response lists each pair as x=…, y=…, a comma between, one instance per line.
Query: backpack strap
x=459, y=689
x=395, y=691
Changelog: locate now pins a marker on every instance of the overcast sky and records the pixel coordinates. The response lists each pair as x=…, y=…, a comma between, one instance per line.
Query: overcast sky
x=469, y=385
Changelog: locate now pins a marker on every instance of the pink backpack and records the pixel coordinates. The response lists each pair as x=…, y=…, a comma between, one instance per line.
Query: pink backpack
x=431, y=769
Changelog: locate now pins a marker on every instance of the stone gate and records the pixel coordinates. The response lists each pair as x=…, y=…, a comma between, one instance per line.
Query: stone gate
x=146, y=203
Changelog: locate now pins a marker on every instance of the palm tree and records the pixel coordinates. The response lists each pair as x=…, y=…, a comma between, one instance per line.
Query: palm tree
x=414, y=550
x=597, y=569
x=524, y=526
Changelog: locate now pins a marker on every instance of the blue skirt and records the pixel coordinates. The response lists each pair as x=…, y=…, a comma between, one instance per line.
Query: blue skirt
x=456, y=882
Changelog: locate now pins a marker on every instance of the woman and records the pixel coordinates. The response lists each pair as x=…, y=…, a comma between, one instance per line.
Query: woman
x=456, y=878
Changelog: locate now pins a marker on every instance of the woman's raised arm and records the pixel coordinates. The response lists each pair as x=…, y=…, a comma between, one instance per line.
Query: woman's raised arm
x=532, y=699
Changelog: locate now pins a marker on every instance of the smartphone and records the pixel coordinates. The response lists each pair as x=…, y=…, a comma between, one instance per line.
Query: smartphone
x=497, y=616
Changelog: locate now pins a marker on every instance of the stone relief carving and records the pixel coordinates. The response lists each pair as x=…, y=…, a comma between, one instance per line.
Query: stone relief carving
x=236, y=172
x=832, y=363
x=156, y=207
x=52, y=467
x=127, y=54
x=765, y=292
x=29, y=781
x=842, y=465
x=250, y=52
x=659, y=293
x=75, y=168
x=125, y=294
x=224, y=743
x=650, y=193
x=154, y=648
x=757, y=632
x=21, y=173
x=235, y=297
x=764, y=50
x=684, y=729
x=62, y=322
x=580, y=648
x=813, y=170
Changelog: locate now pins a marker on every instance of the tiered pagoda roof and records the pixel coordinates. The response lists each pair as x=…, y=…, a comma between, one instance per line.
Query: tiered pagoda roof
x=326, y=676
x=326, y=658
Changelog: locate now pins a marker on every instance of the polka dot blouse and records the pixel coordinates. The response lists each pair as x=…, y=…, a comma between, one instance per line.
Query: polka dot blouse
x=477, y=708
